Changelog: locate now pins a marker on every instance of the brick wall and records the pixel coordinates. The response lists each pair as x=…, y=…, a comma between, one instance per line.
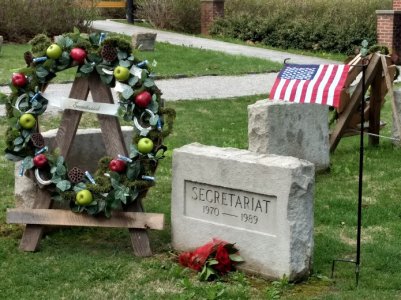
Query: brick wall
x=385, y=26
x=210, y=11
x=389, y=30
x=396, y=4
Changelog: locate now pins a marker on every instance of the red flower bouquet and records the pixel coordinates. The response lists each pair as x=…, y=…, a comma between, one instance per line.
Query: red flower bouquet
x=212, y=259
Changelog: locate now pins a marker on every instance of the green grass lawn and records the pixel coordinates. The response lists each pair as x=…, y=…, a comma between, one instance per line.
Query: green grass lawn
x=76, y=263
x=171, y=61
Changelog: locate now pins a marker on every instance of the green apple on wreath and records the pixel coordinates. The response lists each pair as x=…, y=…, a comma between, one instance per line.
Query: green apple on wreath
x=118, y=181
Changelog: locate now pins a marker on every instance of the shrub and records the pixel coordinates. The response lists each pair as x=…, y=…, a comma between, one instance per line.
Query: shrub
x=177, y=15
x=21, y=20
x=335, y=25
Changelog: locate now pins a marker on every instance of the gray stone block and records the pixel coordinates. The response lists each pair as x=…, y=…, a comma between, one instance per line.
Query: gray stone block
x=262, y=203
x=290, y=129
x=87, y=149
x=144, y=41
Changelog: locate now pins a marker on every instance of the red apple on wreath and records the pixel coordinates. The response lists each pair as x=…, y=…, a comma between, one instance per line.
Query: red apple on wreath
x=40, y=161
x=78, y=54
x=19, y=80
x=117, y=165
x=143, y=99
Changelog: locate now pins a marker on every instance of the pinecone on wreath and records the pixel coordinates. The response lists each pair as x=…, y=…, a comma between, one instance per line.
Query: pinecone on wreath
x=109, y=53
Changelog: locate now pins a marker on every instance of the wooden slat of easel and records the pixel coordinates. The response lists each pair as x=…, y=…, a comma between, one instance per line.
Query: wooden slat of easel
x=60, y=217
x=114, y=144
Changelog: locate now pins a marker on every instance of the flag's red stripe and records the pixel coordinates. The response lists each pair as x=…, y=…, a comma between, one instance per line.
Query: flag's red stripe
x=286, y=83
x=294, y=90
x=274, y=88
x=339, y=87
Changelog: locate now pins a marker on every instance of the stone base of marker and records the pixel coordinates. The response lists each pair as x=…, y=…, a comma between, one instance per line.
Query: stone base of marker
x=394, y=131
x=87, y=149
x=262, y=203
x=290, y=129
x=144, y=41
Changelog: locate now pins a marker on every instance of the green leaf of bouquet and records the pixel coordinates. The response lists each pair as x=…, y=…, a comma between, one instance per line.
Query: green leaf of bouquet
x=41, y=72
x=28, y=162
x=18, y=141
x=63, y=185
x=94, y=38
x=61, y=170
x=86, y=68
x=121, y=55
x=134, y=193
x=60, y=160
x=133, y=152
x=149, y=83
x=95, y=58
x=61, y=41
x=79, y=187
x=56, y=179
x=153, y=120
x=127, y=93
x=3, y=98
x=133, y=81
x=16, y=113
x=68, y=42
x=206, y=273
x=153, y=106
x=107, y=79
x=12, y=121
x=99, y=69
x=93, y=208
x=134, y=169
x=124, y=63
x=121, y=195
x=236, y=258
x=212, y=262
x=17, y=148
x=25, y=133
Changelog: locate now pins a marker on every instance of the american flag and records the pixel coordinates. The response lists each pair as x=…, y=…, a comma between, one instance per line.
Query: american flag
x=320, y=84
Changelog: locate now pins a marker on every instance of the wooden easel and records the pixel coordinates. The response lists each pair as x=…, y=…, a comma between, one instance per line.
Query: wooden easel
x=42, y=215
x=378, y=77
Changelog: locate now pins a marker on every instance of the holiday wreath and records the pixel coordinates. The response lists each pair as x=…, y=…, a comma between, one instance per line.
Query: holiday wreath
x=118, y=181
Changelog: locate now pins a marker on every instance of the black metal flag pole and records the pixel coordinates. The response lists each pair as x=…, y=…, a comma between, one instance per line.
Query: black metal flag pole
x=360, y=185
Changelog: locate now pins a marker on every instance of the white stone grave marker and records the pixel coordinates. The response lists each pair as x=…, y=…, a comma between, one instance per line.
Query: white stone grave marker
x=262, y=203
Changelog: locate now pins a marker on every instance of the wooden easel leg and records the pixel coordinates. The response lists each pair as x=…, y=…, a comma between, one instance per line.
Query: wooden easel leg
x=114, y=142
x=139, y=237
x=33, y=233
